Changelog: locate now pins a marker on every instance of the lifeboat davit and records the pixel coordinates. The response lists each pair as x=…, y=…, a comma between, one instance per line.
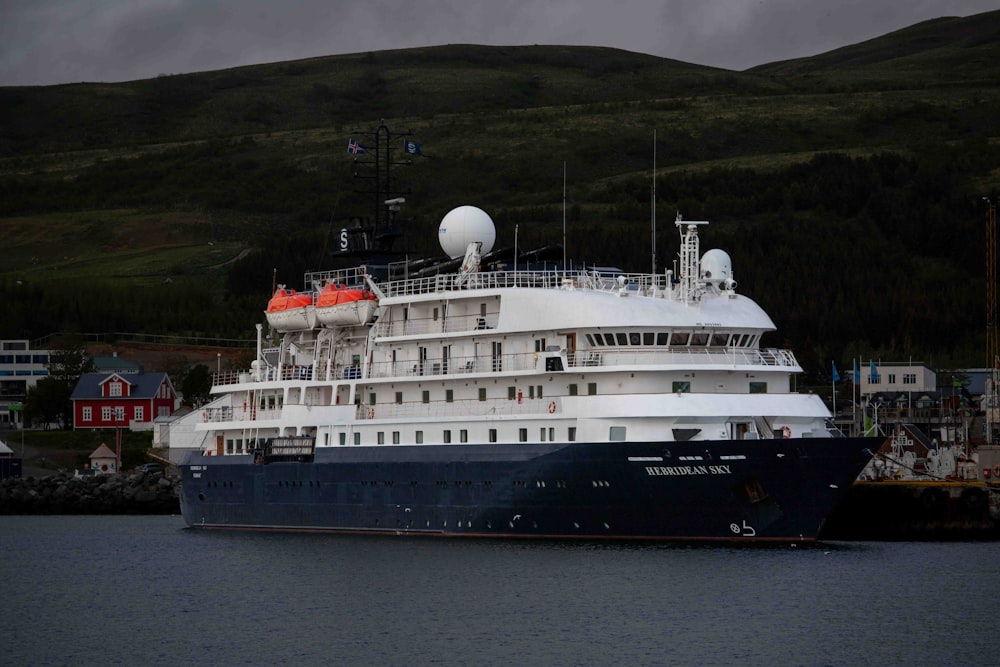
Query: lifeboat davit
x=340, y=306
x=289, y=310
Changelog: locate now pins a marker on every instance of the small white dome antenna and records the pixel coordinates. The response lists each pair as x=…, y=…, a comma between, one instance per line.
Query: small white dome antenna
x=463, y=226
x=717, y=269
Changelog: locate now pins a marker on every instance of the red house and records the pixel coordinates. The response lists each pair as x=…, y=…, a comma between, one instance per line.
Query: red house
x=113, y=400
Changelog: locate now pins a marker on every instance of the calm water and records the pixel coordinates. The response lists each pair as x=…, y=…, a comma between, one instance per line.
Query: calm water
x=147, y=591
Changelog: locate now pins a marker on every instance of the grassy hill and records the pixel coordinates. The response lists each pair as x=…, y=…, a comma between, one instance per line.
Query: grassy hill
x=846, y=186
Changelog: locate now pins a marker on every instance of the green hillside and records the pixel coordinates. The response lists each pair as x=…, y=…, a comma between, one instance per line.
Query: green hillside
x=847, y=187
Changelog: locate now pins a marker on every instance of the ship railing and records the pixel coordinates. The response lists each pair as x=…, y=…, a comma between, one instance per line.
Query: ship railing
x=531, y=361
x=351, y=277
x=246, y=412
x=450, y=324
x=460, y=408
x=684, y=356
x=605, y=280
x=297, y=372
x=453, y=365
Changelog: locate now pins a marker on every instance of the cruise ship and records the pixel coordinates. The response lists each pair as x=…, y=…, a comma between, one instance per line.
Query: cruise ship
x=566, y=404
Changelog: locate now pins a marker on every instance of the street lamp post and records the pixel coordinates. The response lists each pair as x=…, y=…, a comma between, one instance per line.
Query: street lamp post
x=118, y=418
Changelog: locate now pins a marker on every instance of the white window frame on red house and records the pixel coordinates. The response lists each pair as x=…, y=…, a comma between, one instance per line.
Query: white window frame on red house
x=137, y=413
x=115, y=389
x=88, y=413
x=105, y=413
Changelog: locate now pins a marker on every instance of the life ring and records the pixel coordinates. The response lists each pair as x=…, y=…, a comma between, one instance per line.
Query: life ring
x=996, y=470
x=932, y=500
x=371, y=413
x=552, y=407
x=974, y=499
x=786, y=432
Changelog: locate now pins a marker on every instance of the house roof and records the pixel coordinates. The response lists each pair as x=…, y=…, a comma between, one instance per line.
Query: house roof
x=109, y=364
x=102, y=452
x=144, y=385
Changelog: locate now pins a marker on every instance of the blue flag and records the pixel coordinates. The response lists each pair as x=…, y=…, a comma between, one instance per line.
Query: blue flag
x=413, y=148
x=857, y=371
x=836, y=375
x=873, y=374
x=355, y=147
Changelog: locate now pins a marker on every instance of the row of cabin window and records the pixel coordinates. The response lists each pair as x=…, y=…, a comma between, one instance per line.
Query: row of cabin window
x=546, y=434
x=534, y=391
x=666, y=338
x=682, y=386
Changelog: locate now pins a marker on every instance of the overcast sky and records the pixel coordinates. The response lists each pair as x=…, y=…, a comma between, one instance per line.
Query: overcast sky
x=63, y=41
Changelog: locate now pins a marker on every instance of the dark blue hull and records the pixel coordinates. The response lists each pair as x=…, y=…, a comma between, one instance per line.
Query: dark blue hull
x=705, y=490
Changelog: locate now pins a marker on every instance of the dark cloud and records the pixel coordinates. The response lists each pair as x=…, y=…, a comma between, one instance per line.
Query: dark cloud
x=58, y=41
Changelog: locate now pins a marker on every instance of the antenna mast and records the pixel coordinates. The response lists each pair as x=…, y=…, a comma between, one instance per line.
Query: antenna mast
x=992, y=347
x=654, y=202
x=565, y=268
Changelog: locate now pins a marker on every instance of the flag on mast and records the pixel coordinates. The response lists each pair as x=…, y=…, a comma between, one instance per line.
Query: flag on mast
x=836, y=375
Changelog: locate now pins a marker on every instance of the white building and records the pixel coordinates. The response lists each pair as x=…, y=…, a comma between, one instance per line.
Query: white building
x=876, y=377
x=20, y=370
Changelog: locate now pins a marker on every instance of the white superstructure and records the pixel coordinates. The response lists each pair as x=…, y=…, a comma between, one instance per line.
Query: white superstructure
x=525, y=356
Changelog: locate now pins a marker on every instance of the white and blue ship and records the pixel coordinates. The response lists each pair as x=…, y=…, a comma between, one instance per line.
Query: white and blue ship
x=523, y=404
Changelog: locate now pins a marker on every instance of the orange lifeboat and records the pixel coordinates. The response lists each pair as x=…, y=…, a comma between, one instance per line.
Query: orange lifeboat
x=339, y=305
x=289, y=310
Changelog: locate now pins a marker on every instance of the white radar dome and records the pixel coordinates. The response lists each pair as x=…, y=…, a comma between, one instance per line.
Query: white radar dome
x=716, y=266
x=463, y=225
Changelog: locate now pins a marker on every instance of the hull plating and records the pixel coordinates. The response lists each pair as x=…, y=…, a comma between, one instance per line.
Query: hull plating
x=703, y=490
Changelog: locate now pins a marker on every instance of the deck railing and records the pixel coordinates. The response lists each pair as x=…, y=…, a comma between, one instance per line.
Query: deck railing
x=721, y=357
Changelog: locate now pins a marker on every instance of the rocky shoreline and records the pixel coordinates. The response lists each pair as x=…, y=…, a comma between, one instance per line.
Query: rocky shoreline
x=64, y=493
